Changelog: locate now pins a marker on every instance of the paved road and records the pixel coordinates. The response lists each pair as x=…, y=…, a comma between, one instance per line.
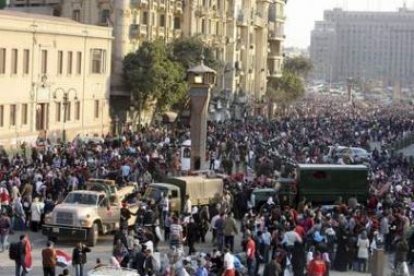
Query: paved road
x=102, y=251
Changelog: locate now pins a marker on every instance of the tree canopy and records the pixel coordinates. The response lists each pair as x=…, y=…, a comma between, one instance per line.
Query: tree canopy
x=156, y=71
x=151, y=75
x=188, y=50
x=299, y=65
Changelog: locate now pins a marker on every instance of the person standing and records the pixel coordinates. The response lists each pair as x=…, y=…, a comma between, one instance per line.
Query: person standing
x=251, y=254
x=17, y=252
x=5, y=226
x=228, y=263
x=273, y=268
x=187, y=206
x=230, y=231
x=79, y=258
x=363, y=251
x=37, y=210
x=49, y=259
x=317, y=267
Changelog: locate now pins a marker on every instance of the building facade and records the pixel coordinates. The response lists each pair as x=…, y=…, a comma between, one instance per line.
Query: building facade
x=246, y=35
x=364, y=45
x=54, y=73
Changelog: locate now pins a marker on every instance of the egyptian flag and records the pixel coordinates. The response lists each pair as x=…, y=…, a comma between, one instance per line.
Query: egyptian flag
x=28, y=257
x=63, y=258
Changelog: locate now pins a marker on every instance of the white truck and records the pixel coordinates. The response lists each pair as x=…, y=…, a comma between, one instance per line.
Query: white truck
x=85, y=214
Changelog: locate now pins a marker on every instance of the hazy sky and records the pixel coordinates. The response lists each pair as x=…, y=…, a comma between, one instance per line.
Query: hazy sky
x=301, y=15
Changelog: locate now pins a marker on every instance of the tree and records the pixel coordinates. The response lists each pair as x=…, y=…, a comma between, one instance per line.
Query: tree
x=299, y=65
x=188, y=50
x=3, y=4
x=285, y=89
x=151, y=75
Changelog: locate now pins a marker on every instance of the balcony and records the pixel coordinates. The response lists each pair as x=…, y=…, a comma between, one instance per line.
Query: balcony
x=276, y=35
x=161, y=31
x=242, y=20
x=138, y=30
x=259, y=21
x=178, y=33
x=161, y=5
x=201, y=11
x=139, y=3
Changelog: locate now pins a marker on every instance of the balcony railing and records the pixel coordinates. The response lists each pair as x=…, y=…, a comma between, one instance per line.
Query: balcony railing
x=137, y=30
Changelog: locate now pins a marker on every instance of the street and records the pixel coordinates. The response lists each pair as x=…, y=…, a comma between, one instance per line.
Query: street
x=102, y=251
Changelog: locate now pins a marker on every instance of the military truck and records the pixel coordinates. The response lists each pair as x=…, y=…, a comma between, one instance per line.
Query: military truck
x=317, y=183
x=85, y=214
x=201, y=190
x=323, y=183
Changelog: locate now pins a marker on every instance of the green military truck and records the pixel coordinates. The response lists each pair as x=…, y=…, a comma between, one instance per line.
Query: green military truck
x=325, y=183
x=317, y=183
x=203, y=191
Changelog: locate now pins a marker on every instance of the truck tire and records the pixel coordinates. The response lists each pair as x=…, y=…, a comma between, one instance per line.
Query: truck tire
x=93, y=235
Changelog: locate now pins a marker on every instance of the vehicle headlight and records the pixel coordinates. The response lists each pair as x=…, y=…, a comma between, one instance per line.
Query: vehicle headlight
x=84, y=222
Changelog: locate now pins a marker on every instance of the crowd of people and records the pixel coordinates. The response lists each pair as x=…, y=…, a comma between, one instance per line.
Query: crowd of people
x=272, y=240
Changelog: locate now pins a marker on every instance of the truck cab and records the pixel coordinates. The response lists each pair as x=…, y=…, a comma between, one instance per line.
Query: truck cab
x=84, y=214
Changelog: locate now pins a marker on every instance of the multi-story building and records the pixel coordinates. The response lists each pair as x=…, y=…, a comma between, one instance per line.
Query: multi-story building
x=364, y=45
x=246, y=35
x=54, y=73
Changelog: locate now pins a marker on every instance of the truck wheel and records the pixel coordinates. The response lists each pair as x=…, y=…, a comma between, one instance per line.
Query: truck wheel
x=93, y=235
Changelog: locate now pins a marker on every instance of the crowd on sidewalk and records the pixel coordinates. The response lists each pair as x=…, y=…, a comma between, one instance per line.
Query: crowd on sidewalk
x=275, y=239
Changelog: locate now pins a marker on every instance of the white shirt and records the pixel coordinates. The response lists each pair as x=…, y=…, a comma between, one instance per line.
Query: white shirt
x=228, y=261
x=290, y=238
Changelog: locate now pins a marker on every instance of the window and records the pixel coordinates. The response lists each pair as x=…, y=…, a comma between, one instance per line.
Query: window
x=98, y=61
x=60, y=62
x=44, y=62
x=203, y=26
x=104, y=16
x=177, y=23
x=14, y=65
x=76, y=14
x=2, y=60
x=57, y=111
x=70, y=62
x=13, y=115
x=68, y=111
x=77, y=110
x=145, y=18
x=96, y=109
x=1, y=115
x=79, y=63
x=24, y=114
x=162, y=20
x=26, y=61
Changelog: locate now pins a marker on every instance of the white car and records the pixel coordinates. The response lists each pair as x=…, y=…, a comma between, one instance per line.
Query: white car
x=358, y=155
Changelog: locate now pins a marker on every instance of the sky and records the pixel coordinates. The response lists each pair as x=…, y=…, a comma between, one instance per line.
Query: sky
x=301, y=15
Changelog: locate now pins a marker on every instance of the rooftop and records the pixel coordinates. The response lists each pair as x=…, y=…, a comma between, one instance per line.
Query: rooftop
x=24, y=15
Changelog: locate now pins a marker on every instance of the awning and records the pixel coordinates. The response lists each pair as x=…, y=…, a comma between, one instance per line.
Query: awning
x=169, y=117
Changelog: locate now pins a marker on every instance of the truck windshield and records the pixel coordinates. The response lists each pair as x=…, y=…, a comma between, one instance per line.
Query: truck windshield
x=80, y=198
x=155, y=193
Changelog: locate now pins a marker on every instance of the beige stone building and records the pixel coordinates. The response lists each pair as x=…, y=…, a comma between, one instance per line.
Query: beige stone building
x=247, y=35
x=54, y=76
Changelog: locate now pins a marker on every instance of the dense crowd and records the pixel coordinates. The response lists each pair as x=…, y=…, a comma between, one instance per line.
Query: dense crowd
x=272, y=240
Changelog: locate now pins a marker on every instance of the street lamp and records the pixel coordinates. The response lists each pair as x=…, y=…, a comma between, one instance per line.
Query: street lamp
x=201, y=79
x=65, y=102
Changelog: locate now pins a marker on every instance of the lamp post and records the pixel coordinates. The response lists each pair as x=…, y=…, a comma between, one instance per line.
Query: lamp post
x=201, y=79
x=65, y=102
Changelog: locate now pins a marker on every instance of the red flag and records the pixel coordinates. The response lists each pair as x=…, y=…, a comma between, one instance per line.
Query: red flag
x=28, y=257
x=63, y=258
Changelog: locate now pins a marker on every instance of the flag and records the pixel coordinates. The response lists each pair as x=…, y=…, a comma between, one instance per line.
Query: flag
x=63, y=258
x=28, y=257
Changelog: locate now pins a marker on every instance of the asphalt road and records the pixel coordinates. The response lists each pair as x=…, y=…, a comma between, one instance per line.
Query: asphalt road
x=102, y=251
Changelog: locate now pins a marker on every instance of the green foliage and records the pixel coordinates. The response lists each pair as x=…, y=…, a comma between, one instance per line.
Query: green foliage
x=3, y=4
x=286, y=88
x=188, y=50
x=151, y=75
x=298, y=65
x=156, y=72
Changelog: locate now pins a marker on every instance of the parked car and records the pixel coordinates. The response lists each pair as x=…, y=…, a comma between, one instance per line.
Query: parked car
x=356, y=154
